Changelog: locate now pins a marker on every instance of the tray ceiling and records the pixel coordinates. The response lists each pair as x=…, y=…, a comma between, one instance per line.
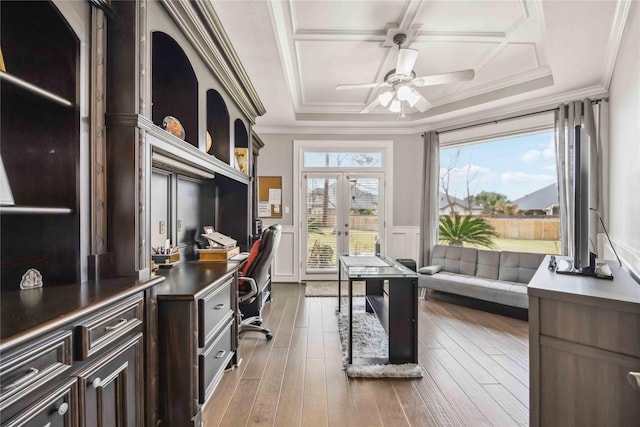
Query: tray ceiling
x=519, y=50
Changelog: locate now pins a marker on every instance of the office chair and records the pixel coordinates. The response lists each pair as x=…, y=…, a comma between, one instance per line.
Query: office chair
x=255, y=281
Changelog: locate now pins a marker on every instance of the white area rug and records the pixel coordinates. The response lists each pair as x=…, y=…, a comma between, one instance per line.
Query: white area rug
x=370, y=341
x=330, y=288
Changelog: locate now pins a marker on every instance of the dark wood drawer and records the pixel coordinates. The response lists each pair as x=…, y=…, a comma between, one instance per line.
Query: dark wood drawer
x=108, y=325
x=57, y=408
x=213, y=310
x=29, y=368
x=213, y=360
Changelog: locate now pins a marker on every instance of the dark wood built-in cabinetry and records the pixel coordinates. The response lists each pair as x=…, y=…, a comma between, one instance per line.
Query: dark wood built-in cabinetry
x=197, y=307
x=96, y=181
x=584, y=344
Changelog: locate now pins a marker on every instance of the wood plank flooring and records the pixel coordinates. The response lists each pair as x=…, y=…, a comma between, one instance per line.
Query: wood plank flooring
x=476, y=366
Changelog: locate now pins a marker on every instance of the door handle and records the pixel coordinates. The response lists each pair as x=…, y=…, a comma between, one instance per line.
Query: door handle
x=346, y=233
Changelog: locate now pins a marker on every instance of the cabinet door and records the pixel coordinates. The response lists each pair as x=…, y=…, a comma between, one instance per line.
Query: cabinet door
x=111, y=389
x=58, y=408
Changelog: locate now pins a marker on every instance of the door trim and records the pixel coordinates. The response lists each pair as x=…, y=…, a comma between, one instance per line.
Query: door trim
x=299, y=146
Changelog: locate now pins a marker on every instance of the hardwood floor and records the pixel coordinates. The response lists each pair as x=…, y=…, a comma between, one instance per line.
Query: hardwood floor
x=476, y=372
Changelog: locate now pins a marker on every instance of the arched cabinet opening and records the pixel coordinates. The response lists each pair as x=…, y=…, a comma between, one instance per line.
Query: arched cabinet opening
x=174, y=88
x=218, y=127
x=241, y=150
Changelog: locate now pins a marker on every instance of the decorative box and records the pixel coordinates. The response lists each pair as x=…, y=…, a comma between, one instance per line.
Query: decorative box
x=218, y=255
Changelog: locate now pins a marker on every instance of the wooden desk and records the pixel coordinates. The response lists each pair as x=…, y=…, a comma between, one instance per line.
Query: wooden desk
x=198, y=336
x=392, y=294
x=584, y=344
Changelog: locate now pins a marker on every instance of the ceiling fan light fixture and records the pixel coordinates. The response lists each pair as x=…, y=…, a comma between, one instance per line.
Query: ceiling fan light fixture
x=403, y=93
x=395, y=106
x=385, y=98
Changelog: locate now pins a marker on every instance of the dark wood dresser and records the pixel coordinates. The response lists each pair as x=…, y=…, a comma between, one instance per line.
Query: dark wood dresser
x=584, y=344
x=197, y=336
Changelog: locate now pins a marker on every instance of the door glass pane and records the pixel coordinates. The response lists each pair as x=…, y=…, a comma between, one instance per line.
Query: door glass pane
x=339, y=159
x=321, y=196
x=364, y=220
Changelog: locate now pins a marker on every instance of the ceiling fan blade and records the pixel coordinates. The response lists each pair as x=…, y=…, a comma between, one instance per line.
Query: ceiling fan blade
x=438, y=79
x=406, y=60
x=422, y=104
x=360, y=86
x=371, y=106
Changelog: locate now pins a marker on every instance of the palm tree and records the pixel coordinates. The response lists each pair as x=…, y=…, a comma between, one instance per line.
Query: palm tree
x=456, y=230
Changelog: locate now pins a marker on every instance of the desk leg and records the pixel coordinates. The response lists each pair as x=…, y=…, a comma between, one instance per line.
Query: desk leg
x=339, y=283
x=350, y=321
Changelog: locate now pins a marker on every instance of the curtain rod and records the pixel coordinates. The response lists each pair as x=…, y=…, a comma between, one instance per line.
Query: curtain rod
x=519, y=116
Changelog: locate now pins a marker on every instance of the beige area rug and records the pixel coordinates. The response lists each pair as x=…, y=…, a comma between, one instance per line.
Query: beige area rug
x=318, y=288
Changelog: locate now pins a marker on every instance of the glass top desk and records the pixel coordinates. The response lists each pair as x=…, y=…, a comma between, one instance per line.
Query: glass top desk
x=392, y=294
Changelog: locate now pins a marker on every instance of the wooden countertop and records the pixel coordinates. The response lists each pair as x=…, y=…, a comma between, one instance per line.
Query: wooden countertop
x=188, y=280
x=622, y=291
x=29, y=313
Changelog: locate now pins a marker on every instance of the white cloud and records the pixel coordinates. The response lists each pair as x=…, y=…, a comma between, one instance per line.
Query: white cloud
x=530, y=156
x=518, y=178
x=550, y=167
x=550, y=151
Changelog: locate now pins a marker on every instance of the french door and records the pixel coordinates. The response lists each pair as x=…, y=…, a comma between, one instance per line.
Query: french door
x=343, y=213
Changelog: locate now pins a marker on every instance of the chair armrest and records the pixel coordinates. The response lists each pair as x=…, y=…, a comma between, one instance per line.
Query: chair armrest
x=430, y=269
x=254, y=289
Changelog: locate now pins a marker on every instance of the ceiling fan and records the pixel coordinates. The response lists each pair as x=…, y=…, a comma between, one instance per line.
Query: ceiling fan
x=402, y=80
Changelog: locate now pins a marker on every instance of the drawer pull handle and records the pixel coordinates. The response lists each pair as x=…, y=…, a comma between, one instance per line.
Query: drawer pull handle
x=96, y=383
x=118, y=325
x=634, y=380
x=219, y=307
x=220, y=354
x=63, y=408
x=27, y=377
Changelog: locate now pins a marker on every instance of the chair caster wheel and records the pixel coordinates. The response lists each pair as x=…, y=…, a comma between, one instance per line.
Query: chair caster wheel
x=269, y=336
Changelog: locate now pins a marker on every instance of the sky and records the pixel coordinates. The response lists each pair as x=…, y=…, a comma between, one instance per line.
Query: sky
x=514, y=167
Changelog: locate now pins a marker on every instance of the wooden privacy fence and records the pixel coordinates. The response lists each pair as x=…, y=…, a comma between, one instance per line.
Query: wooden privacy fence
x=526, y=228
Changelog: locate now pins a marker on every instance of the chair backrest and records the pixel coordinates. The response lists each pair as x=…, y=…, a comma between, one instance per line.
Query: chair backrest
x=270, y=240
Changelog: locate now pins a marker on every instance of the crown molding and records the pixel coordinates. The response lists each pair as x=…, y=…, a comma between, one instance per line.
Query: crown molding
x=429, y=124
x=615, y=38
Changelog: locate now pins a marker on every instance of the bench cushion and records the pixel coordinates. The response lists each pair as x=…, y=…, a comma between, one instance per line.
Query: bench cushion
x=455, y=259
x=488, y=264
x=518, y=266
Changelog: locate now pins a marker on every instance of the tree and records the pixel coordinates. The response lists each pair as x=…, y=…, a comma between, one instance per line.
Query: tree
x=489, y=199
x=445, y=180
x=456, y=230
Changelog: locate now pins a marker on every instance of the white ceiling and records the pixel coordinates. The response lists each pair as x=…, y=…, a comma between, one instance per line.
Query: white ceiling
x=525, y=54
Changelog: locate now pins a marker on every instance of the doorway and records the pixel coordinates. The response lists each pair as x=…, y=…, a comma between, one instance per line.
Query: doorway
x=343, y=213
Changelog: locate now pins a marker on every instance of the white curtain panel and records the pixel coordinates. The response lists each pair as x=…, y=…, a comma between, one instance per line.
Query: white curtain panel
x=595, y=121
x=430, y=191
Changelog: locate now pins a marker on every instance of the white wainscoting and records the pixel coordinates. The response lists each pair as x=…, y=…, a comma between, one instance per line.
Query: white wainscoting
x=285, y=265
x=404, y=242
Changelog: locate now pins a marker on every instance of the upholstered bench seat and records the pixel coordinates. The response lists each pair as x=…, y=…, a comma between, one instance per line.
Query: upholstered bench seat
x=500, y=277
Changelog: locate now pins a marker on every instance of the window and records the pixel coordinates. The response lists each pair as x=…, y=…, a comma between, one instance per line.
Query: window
x=508, y=189
x=325, y=159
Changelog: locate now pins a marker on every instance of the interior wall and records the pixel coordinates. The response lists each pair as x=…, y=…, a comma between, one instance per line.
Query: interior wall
x=276, y=159
x=624, y=137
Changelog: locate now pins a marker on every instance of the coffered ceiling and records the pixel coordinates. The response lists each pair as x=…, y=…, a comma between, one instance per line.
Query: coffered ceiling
x=523, y=53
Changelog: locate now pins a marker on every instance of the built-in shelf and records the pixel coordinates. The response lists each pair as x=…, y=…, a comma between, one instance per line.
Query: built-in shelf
x=34, y=89
x=33, y=210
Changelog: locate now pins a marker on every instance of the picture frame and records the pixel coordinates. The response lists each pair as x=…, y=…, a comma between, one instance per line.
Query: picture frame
x=208, y=229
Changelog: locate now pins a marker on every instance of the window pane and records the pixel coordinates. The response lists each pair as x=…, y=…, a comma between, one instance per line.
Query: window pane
x=509, y=186
x=342, y=159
